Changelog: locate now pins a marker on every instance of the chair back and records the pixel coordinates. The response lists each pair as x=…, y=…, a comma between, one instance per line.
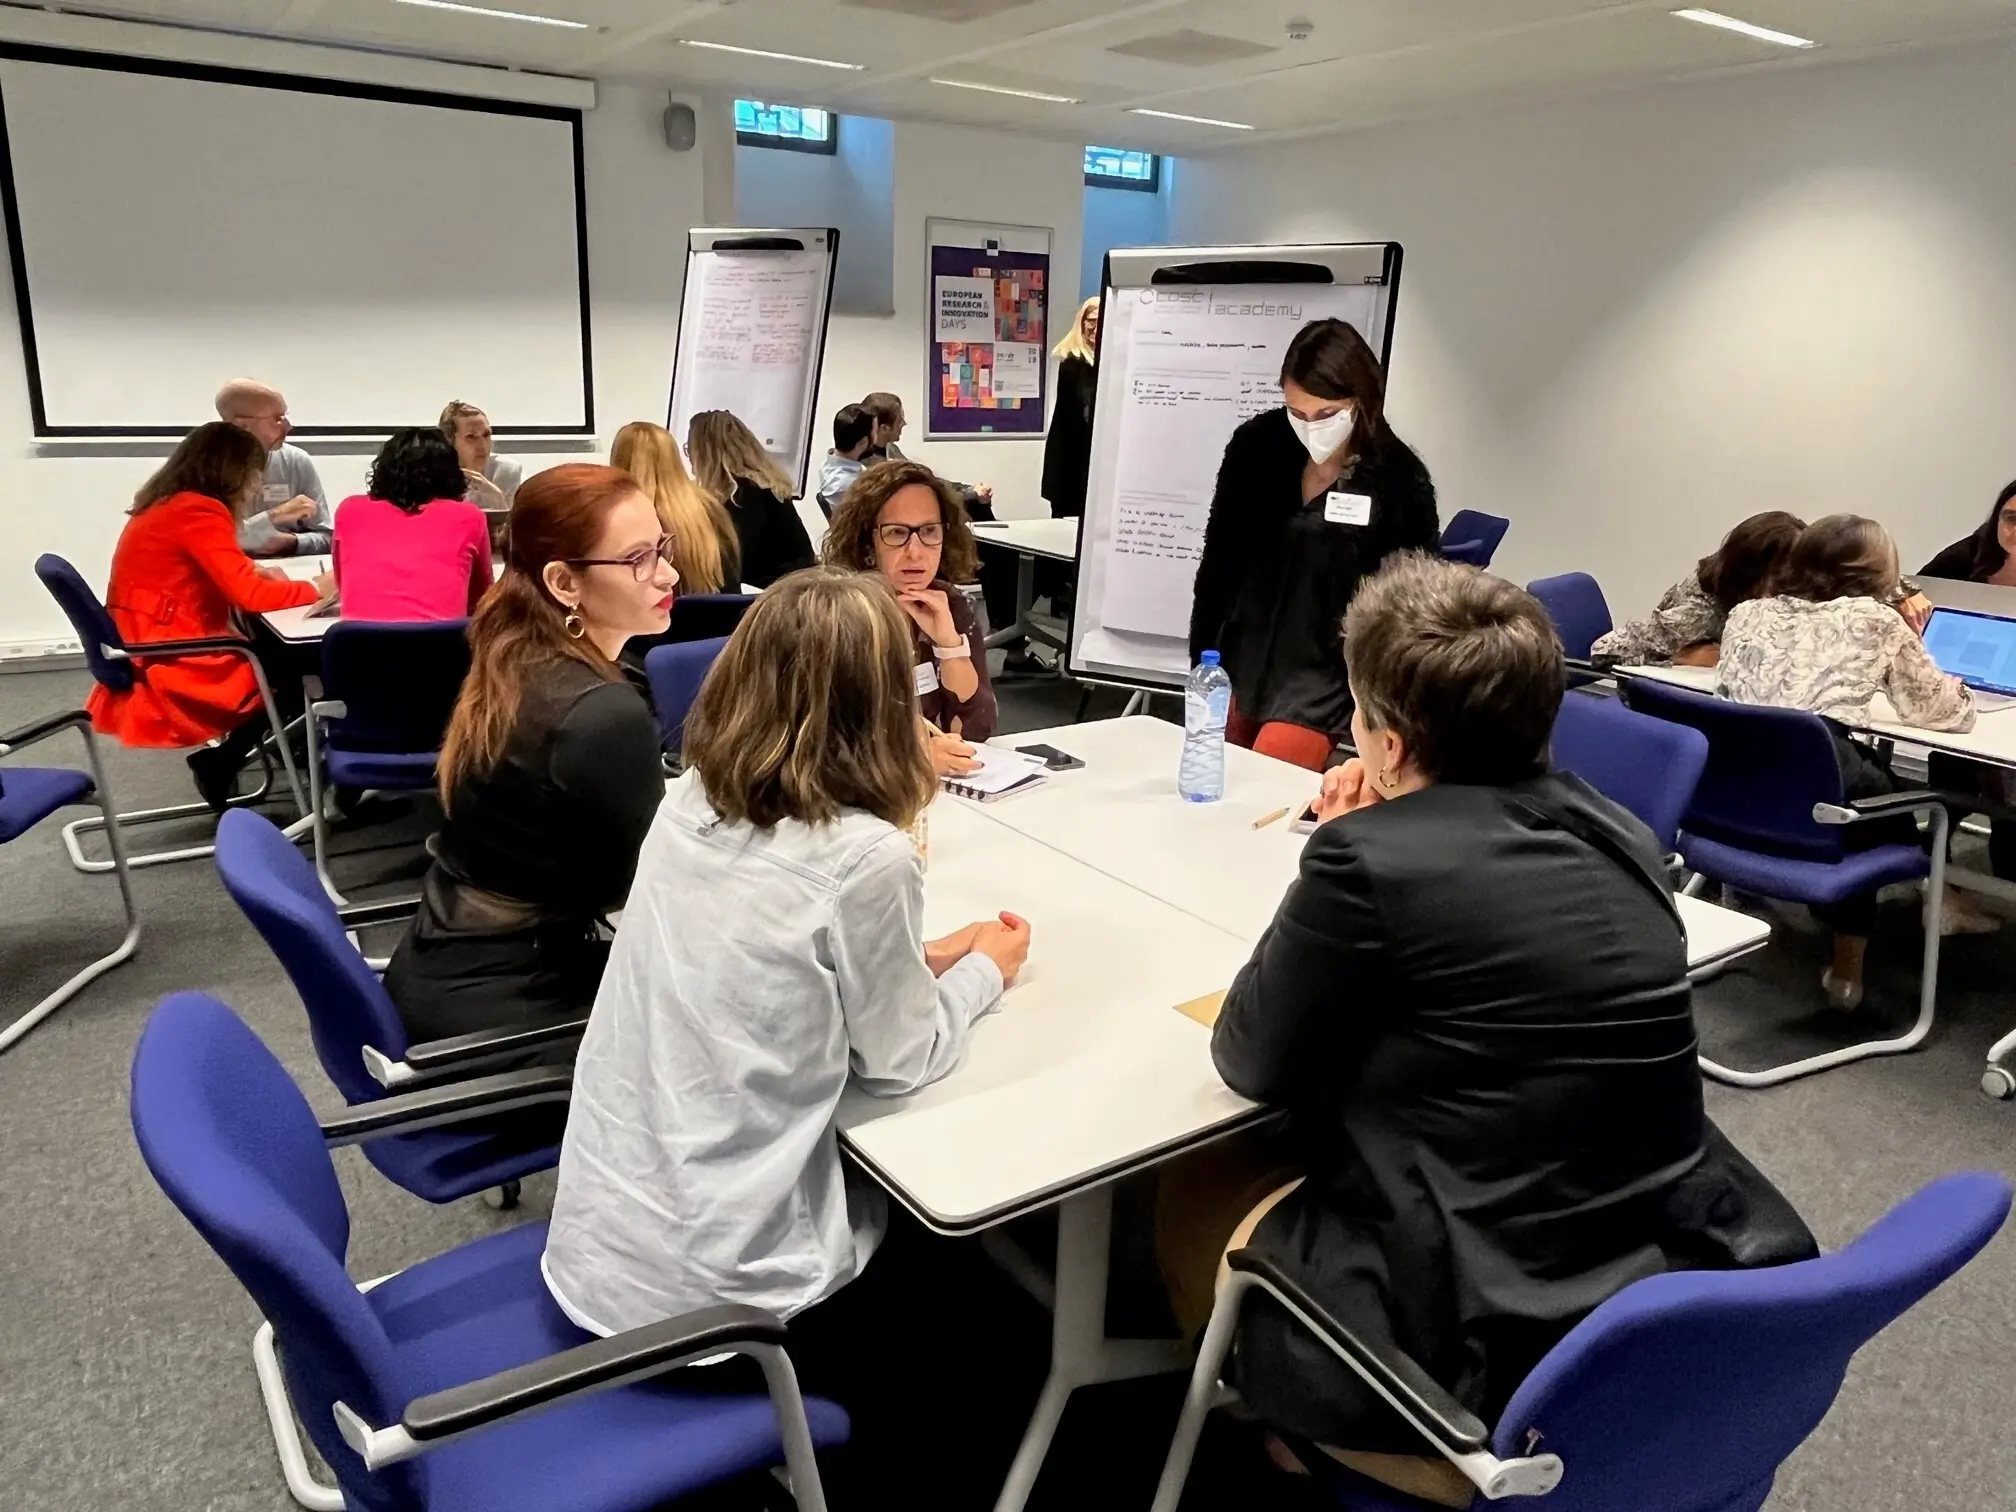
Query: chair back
x=675, y=673
x=1685, y=1392
x=347, y=1005
x=704, y=616
x=89, y=618
x=1766, y=769
x=1577, y=607
x=398, y=683
x=1646, y=765
x=1469, y=553
x=234, y=1144
x=1472, y=527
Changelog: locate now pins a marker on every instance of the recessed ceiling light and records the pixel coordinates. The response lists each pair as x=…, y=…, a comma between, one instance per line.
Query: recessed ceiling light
x=1170, y=115
x=758, y=52
x=1748, y=29
x=1020, y=94
x=498, y=15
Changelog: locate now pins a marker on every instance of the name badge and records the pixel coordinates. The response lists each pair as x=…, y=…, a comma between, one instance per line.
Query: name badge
x=1348, y=509
x=927, y=678
x=278, y=493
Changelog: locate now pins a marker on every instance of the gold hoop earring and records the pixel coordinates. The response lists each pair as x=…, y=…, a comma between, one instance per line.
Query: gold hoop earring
x=574, y=625
x=1387, y=780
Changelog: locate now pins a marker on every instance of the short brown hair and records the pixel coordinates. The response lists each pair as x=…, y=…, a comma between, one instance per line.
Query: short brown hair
x=454, y=414
x=1462, y=666
x=811, y=708
x=1841, y=556
x=850, y=538
x=216, y=460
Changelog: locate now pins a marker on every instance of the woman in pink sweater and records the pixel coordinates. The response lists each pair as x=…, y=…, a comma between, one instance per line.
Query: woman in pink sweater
x=412, y=549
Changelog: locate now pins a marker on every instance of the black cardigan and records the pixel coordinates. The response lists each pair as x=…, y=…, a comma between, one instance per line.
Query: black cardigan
x=1067, y=453
x=1474, y=1003
x=773, y=539
x=1276, y=577
x=1955, y=562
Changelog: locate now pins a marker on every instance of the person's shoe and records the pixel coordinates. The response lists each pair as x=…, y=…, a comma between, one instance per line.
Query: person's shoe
x=1959, y=915
x=215, y=771
x=1841, y=993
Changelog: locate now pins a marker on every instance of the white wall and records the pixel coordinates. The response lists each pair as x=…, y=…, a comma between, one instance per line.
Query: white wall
x=852, y=188
x=1122, y=218
x=1629, y=322
x=641, y=199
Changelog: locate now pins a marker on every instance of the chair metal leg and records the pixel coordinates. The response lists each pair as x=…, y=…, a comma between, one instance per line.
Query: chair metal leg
x=801, y=1463
x=123, y=952
x=1205, y=1391
x=317, y=820
x=1928, y=997
x=317, y=1496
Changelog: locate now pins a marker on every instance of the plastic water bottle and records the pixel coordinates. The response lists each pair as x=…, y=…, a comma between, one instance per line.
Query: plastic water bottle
x=1207, y=700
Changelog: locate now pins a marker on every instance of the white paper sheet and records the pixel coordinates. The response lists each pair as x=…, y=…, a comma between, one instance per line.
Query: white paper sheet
x=757, y=320
x=965, y=309
x=1018, y=370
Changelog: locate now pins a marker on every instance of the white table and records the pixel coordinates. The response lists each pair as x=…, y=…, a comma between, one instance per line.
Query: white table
x=1138, y=902
x=1054, y=540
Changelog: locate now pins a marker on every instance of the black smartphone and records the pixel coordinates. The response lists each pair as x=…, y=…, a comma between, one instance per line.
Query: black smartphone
x=1052, y=758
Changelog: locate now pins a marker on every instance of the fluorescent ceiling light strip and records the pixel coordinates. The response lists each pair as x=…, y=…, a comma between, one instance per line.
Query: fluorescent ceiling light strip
x=498, y=15
x=1020, y=94
x=1748, y=29
x=1170, y=115
x=782, y=57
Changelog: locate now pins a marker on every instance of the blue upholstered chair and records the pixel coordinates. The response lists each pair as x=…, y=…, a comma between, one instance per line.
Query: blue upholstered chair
x=1649, y=766
x=1682, y=1393
x=1769, y=817
x=675, y=673
x=111, y=660
x=28, y=795
x=387, y=694
x=1475, y=533
x=1576, y=605
x=456, y=1385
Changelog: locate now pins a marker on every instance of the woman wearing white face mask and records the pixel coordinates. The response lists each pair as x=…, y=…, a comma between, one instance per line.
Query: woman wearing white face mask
x=1311, y=499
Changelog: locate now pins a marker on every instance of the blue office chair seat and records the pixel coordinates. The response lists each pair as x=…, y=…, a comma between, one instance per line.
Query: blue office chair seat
x=675, y=673
x=1806, y=882
x=391, y=770
x=28, y=795
x=484, y=1308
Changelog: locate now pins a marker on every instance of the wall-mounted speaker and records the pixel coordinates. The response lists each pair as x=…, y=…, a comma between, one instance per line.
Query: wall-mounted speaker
x=681, y=127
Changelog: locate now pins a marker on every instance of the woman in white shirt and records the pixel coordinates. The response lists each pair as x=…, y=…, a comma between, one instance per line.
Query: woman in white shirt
x=493, y=480
x=772, y=946
x=1839, y=630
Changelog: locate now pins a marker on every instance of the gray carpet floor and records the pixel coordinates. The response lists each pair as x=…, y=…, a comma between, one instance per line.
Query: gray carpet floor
x=125, y=1370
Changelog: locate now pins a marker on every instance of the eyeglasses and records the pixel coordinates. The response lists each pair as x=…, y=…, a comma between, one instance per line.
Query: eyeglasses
x=896, y=537
x=643, y=564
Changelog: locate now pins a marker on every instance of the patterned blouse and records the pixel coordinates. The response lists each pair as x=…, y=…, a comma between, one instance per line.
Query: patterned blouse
x=1686, y=616
x=1833, y=658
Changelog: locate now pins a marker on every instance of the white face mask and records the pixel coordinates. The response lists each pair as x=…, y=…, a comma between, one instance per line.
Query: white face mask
x=1323, y=437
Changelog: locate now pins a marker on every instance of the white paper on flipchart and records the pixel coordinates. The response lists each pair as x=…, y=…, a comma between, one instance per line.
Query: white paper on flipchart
x=756, y=329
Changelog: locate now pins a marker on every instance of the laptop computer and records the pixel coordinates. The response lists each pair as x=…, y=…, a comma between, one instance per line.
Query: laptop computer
x=1980, y=650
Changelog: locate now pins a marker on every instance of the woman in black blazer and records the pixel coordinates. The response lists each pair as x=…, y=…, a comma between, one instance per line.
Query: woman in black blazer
x=730, y=463
x=1474, y=1004
x=1311, y=498
x=1067, y=450
x=1988, y=555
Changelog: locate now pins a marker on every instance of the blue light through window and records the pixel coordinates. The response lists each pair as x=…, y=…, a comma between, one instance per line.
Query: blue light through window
x=1118, y=168
x=797, y=128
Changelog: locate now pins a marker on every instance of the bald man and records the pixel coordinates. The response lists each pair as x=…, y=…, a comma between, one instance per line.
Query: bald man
x=295, y=519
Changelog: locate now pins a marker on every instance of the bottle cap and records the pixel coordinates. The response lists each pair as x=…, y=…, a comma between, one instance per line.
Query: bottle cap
x=1208, y=659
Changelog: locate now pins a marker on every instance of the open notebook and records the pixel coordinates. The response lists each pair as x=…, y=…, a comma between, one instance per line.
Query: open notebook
x=1001, y=774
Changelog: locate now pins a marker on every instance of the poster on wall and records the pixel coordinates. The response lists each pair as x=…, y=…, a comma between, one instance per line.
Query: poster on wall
x=988, y=368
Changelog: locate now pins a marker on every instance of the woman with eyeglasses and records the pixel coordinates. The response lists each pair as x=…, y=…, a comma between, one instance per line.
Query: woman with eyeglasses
x=550, y=774
x=903, y=521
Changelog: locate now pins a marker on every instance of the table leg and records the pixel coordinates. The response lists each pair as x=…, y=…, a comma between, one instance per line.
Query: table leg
x=1025, y=598
x=1080, y=1352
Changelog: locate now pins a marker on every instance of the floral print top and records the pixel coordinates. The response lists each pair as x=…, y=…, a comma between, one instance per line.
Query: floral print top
x=1833, y=658
x=1686, y=616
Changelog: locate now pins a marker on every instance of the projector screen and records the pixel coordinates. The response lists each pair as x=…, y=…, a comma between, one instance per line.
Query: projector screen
x=372, y=253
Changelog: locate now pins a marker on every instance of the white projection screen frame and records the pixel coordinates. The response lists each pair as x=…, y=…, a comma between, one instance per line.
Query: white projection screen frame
x=373, y=252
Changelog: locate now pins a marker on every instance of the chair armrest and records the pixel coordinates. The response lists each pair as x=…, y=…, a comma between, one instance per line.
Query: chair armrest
x=1437, y=1413
x=164, y=650
x=42, y=729
x=1881, y=806
x=450, y=1103
x=442, y=1054
x=595, y=1366
x=364, y=915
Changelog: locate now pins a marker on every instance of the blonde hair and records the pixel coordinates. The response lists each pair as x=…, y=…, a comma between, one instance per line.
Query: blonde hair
x=1074, y=343
x=725, y=452
x=811, y=708
x=704, y=546
x=453, y=416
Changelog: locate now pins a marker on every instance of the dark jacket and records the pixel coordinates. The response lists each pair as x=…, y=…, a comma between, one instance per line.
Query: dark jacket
x=1276, y=577
x=772, y=537
x=1067, y=452
x=1474, y=1003
x=979, y=714
x=1956, y=562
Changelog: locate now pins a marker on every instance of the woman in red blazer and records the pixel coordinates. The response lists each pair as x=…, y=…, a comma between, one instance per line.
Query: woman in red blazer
x=177, y=573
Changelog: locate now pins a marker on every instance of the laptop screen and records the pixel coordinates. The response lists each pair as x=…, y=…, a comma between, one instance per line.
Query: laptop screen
x=1979, y=649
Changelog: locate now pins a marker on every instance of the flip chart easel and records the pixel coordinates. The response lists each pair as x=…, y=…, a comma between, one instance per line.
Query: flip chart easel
x=1190, y=347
